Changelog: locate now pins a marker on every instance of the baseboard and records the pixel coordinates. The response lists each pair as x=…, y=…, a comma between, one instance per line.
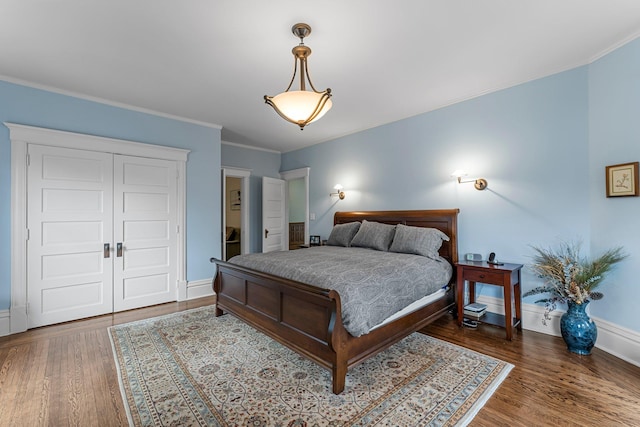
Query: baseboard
x=614, y=339
x=199, y=288
x=621, y=342
x=5, y=323
x=14, y=320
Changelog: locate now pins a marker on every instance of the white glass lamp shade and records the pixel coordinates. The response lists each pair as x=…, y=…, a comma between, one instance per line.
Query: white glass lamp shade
x=299, y=105
x=339, y=192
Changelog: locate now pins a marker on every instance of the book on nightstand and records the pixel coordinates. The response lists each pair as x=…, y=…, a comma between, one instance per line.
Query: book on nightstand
x=473, y=315
x=476, y=306
x=475, y=310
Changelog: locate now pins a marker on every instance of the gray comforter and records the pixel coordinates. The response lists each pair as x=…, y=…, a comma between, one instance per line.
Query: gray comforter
x=372, y=284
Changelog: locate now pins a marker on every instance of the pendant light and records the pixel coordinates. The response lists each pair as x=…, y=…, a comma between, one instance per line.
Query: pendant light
x=302, y=106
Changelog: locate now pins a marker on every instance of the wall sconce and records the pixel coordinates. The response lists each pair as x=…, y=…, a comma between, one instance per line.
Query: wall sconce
x=338, y=192
x=479, y=183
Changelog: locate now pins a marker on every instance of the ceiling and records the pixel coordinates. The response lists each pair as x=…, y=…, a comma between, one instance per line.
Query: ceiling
x=213, y=61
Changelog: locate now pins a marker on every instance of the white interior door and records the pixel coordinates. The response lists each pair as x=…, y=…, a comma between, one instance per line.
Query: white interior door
x=273, y=215
x=145, y=232
x=102, y=233
x=69, y=221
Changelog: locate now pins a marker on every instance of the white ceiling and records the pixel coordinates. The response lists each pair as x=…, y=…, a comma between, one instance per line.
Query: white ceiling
x=213, y=61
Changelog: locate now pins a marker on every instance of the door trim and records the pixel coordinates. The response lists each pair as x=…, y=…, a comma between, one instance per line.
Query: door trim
x=21, y=136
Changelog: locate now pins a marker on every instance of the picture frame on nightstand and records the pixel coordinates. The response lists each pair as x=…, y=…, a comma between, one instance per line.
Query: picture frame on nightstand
x=314, y=240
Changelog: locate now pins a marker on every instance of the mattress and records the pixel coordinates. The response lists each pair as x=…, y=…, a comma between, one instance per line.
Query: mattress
x=373, y=285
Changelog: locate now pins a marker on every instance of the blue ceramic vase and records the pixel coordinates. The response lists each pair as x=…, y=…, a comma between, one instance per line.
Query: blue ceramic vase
x=578, y=330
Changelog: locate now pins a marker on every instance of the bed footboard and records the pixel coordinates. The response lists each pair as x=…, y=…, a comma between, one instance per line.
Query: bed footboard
x=304, y=318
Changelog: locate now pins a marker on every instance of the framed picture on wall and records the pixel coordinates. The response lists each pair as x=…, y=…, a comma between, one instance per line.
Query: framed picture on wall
x=314, y=240
x=622, y=180
x=234, y=200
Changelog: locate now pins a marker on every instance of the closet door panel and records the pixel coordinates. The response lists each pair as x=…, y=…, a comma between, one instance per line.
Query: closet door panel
x=69, y=220
x=145, y=221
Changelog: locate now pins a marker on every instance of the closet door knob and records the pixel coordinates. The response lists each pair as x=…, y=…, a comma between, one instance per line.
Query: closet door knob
x=119, y=249
x=107, y=250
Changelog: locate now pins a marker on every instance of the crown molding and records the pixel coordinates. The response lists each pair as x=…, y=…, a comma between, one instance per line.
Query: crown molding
x=107, y=102
x=250, y=147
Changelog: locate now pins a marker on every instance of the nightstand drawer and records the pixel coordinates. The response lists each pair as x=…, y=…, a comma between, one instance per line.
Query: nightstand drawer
x=490, y=277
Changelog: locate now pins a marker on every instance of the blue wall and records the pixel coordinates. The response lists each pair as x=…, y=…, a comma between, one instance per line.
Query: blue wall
x=34, y=107
x=531, y=142
x=542, y=146
x=614, y=138
x=260, y=163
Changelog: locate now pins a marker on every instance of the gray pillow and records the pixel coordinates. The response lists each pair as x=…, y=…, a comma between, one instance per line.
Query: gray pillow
x=342, y=234
x=374, y=235
x=418, y=241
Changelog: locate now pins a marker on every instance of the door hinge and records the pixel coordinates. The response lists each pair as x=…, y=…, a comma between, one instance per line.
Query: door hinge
x=28, y=160
x=27, y=234
x=177, y=229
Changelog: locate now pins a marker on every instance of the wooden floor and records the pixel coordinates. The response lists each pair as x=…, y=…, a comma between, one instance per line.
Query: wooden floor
x=65, y=375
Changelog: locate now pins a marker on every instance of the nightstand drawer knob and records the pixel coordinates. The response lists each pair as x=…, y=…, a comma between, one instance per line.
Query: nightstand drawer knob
x=482, y=276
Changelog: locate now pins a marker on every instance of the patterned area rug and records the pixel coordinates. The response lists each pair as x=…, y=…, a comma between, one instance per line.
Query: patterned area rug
x=193, y=369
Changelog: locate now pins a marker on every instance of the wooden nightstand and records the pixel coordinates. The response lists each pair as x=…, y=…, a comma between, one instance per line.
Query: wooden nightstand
x=507, y=276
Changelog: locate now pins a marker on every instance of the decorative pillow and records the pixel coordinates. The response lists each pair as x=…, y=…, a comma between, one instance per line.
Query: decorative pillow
x=374, y=235
x=342, y=234
x=418, y=241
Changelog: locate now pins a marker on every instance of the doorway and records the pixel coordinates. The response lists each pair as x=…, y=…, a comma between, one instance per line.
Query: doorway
x=235, y=212
x=297, y=212
x=233, y=208
x=297, y=206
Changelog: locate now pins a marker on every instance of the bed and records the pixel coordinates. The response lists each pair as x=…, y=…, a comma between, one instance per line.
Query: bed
x=309, y=318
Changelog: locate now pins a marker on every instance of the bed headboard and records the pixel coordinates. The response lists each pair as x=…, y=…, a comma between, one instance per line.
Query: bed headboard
x=445, y=220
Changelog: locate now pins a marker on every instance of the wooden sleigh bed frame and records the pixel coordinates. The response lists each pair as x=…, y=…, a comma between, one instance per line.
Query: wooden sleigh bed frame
x=308, y=319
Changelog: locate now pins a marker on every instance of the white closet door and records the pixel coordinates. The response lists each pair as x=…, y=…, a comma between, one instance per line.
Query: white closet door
x=69, y=220
x=273, y=215
x=145, y=233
